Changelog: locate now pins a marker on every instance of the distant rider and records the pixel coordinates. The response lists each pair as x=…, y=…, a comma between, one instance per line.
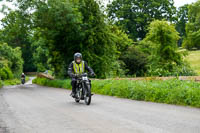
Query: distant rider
x=77, y=67
x=23, y=76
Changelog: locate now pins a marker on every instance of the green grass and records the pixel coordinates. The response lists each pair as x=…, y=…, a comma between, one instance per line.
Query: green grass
x=194, y=59
x=170, y=91
x=11, y=82
x=53, y=83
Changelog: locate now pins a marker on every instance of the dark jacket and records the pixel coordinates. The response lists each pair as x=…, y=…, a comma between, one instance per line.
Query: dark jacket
x=71, y=69
x=23, y=76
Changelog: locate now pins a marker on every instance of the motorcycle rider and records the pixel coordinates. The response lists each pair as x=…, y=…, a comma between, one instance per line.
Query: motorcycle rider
x=77, y=67
x=23, y=76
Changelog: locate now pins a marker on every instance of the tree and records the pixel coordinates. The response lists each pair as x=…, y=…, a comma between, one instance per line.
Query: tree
x=16, y=32
x=182, y=15
x=102, y=44
x=134, y=16
x=10, y=59
x=58, y=28
x=193, y=27
x=66, y=27
x=162, y=39
x=41, y=51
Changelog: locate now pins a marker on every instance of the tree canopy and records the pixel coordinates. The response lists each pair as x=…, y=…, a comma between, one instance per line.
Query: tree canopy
x=133, y=38
x=134, y=16
x=193, y=27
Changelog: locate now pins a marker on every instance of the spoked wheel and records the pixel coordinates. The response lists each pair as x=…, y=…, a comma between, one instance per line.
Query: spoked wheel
x=77, y=99
x=88, y=95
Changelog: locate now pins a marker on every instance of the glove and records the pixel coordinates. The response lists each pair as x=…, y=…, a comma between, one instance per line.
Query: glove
x=93, y=74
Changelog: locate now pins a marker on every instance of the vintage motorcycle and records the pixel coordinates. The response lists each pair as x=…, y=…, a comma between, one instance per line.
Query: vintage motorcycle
x=83, y=89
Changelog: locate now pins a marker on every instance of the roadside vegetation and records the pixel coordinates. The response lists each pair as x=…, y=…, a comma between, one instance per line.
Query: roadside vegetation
x=172, y=91
x=15, y=81
x=11, y=64
x=53, y=83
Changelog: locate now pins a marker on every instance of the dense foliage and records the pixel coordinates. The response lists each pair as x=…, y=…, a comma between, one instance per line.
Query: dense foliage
x=165, y=59
x=16, y=33
x=182, y=20
x=58, y=28
x=135, y=60
x=134, y=16
x=114, y=44
x=11, y=63
x=193, y=27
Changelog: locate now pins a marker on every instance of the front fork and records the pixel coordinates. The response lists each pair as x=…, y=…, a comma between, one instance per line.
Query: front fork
x=85, y=87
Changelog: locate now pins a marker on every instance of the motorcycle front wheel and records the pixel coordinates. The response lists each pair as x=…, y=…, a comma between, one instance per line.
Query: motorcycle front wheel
x=78, y=95
x=88, y=95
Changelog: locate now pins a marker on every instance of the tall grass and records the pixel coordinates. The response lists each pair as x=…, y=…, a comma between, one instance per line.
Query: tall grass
x=170, y=91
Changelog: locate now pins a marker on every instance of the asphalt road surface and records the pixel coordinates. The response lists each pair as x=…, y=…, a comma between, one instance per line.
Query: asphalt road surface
x=31, y=108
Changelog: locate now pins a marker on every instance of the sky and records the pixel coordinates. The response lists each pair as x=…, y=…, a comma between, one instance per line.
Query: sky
x=177, y=3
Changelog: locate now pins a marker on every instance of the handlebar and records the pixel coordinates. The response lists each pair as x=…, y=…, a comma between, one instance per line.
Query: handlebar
x=81, y=75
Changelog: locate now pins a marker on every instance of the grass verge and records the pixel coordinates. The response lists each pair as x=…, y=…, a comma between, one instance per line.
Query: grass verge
x=53, y=83
x=170, y=91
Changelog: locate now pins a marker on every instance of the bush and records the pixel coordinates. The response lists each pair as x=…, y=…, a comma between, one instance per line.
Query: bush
x=135, y=61
x=176, y=70
x=14, y=59
x=1, y=83
x=6, y=73
x=3, y=75
x=170, y=91
x=164, y=59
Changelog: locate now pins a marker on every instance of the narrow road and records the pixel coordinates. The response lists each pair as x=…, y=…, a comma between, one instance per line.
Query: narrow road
x=31, y=108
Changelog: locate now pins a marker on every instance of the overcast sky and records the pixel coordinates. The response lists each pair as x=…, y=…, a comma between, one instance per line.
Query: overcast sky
x=178, y=3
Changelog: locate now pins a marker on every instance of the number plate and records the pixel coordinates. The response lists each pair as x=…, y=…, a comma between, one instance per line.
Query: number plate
x=85, y=78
